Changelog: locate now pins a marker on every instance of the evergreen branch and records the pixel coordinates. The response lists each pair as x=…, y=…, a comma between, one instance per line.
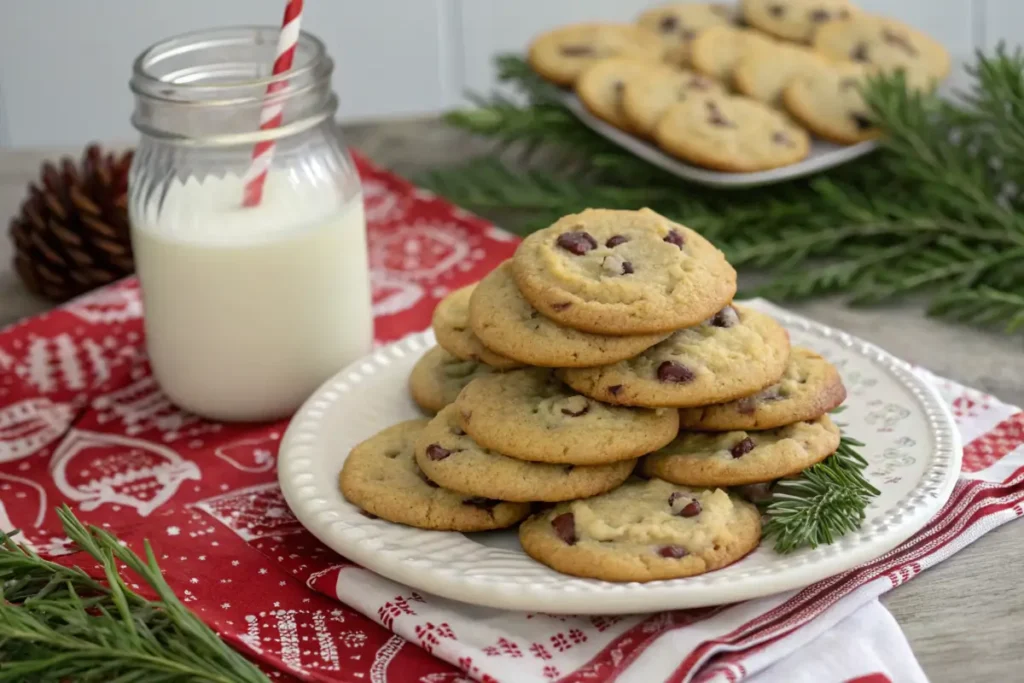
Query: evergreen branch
x=981, y=306
x=59, y=624
x=822, y=503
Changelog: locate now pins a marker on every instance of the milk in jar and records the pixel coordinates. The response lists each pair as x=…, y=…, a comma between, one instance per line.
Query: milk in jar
x=248, y=309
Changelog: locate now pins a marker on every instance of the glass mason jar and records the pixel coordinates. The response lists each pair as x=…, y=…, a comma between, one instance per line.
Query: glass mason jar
x=247, y=308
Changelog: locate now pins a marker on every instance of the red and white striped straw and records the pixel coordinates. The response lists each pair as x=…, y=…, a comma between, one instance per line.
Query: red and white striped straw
x=272, y=113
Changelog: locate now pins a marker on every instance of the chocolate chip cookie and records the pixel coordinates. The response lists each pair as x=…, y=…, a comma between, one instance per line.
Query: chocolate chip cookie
x=731, y=133
x=380, y=476
x=601, y=86
x=455, y=335
x=507, y=323
x=438, y=377
x=648, y=96
x=678, y=24
x=810, y=387
x=828, y=101
x=561, y=54
x=643, y=531
x=887, y=45
x=764, y=77
x=743, y=457
x=716, y=51
x=451, y=458
x=795, y=20
x=736, y=352
x=530, y=415
x=622, y=272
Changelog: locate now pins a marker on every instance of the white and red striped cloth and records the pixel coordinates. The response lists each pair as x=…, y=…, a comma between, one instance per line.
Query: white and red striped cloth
x=82, y=421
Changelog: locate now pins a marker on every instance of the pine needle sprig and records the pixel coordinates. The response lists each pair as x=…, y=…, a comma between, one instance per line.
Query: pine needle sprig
x=937, y=211
x=822, y=503
x=59, y=624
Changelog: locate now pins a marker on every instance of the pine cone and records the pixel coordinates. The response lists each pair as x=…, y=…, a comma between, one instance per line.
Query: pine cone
x=71, y=234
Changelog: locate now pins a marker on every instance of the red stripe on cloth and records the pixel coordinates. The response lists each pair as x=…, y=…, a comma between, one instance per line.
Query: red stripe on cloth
x=994, y=445
x=972, y=501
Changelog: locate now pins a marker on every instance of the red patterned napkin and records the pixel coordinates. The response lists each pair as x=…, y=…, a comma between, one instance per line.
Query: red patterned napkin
x=82, y=421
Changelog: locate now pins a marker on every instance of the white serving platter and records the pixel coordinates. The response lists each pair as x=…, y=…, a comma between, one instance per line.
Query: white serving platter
x=823, y=156
x=912, y=445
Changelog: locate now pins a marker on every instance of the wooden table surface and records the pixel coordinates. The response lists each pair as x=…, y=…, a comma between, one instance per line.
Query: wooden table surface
x=963, y=617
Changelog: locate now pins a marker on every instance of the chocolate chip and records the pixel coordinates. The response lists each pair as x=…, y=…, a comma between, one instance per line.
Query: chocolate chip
x=773, y=393
x=781, y=138
x=627, y=268
x=727, y=317
x=483, y=503
x=776, y=10
x=616, y=240
x=690, y=509
x=368, y=515
x=756, y=493
x=675, y=237
x=577, y=50
x=615, y=389
x=565, y=527
x=743, y=447
x=819, y=15
x=676, y=373
x=716, y=118
x=862, y=122
x=668, y=23
x=900, y=41
x=672, y=552
x=561, y=306
x=436, y=452
x=577, y=242
x=860, y=53
x=576, y=413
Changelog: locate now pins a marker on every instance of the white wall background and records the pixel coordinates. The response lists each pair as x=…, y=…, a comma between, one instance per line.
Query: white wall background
x=64, y=64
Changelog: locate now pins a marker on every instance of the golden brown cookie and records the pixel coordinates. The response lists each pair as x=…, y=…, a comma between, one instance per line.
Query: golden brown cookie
x=643, y=531
x=735, y=353
x=829, y=102
x=507, y=323
x=796, y=20
x=678, y=23
x=381, y=477
x=648, y=96
x=450, y=457
x=529, y=414
x=731, y=133
x=455, y=335
x=810, y=387
x=743, y=457
x=716, y=51
x=886, y=45
x=561, y=54
x=601, y=87
x=622, y=272
x=438, y=377
x=764, y=77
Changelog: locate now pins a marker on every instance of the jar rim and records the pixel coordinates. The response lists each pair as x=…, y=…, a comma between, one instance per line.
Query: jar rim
x=145, y=83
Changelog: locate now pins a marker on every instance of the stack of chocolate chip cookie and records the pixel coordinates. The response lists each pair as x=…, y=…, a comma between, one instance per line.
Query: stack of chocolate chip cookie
x=605, y=372
x=737, y=89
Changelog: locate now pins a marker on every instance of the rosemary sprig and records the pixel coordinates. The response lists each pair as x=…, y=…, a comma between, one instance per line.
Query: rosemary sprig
x=938, y=210
x=58, y=624
x=822, y=503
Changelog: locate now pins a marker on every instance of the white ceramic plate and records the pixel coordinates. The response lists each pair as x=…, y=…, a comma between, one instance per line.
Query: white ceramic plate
x=912, y=445
x=824, y=155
